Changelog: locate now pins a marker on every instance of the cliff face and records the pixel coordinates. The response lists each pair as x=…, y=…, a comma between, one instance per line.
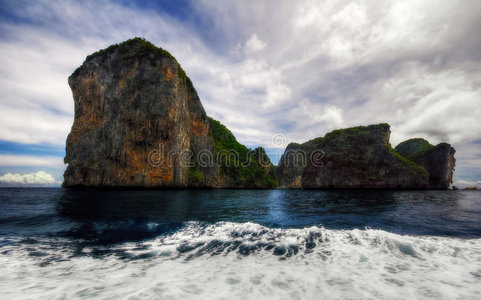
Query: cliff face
x=294, y=161
x=136, y=113
x=359, y=157
x=438, y=160
x=140, y=123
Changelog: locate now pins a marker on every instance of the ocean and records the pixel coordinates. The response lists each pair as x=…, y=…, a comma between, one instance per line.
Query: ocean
x=239, y=244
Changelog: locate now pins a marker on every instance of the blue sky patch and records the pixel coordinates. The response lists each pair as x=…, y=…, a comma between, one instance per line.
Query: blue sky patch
x=7, y=147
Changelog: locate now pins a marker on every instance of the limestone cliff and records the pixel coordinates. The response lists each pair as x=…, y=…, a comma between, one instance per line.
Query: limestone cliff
x=140, y=123
x=294, y=161
x=438, y=160
x=359, y=157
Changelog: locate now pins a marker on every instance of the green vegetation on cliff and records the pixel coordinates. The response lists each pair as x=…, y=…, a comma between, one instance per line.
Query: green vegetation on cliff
x=356, y=131
x=415, y=168
x=241, y=166
x=196, y=177
x=137, y=41
x=414, y=148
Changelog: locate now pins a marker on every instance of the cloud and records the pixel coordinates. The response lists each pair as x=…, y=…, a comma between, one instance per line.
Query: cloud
x=307, y=69
x=468, y=162
x=254, y=44
x=461, y=184
x=395, y=62
x=39, y=177
x=438, y=105
x=30, y=160
x=36, y=58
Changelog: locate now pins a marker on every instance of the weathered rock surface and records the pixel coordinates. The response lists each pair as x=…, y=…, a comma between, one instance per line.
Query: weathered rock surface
x=438, y=160
x=140, y=123
x=294, y=161
x=359, y=157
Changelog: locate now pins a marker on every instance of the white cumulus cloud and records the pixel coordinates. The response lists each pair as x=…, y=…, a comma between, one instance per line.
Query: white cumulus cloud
x=254, y=44
x=39, y=177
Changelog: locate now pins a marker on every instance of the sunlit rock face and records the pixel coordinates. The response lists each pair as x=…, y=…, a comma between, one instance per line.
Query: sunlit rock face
x=362, y=157
x=138, y=121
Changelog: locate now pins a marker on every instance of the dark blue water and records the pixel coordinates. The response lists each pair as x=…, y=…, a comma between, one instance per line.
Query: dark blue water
x=241, y=244
x=107, y=216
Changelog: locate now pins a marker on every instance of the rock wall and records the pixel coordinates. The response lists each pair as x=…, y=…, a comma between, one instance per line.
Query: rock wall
x=359, y=157
x=136, y=116
x=438, y=160
x=140, y=123
x=294, y=161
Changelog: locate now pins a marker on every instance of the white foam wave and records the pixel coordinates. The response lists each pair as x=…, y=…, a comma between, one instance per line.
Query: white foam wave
x=245, y=261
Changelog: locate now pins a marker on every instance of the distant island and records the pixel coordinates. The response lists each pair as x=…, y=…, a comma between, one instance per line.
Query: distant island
x=362, y=157
x=139, y=123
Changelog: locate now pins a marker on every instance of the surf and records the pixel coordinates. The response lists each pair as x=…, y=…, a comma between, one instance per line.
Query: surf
x=246, y=260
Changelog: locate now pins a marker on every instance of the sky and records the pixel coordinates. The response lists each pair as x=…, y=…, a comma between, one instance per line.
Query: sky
x=273, y=72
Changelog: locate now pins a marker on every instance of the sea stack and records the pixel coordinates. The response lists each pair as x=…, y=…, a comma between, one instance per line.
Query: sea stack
x=140, y=123
x=362, y=157
x=438, y=160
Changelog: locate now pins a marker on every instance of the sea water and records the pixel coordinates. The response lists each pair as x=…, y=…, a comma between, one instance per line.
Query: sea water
x=239, y=244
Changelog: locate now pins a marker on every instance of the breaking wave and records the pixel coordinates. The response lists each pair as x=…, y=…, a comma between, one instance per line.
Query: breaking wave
x=242, y=260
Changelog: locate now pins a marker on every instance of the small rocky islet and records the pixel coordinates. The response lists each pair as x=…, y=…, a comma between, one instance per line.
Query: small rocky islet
x=362, y=157
x=139, y=123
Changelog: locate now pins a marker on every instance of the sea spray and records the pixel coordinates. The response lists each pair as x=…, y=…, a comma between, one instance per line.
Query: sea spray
x=247, y=260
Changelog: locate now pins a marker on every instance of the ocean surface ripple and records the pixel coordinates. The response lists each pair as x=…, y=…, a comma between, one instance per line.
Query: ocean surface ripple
x=55, y=244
